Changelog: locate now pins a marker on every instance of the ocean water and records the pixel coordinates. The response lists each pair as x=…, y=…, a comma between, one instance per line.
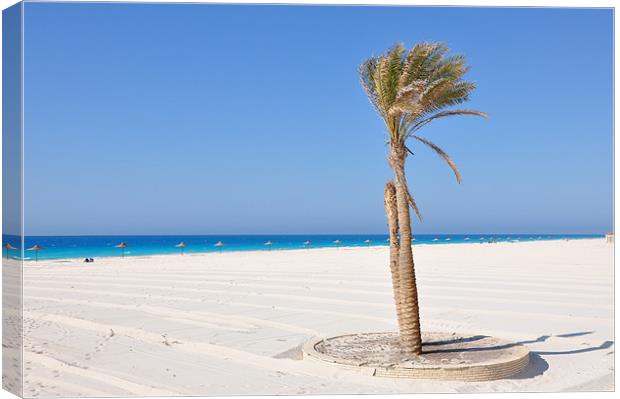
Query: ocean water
x=62, y=247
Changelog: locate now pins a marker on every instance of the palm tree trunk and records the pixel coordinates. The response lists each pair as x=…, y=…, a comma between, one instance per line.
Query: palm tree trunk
x=392, y=215
x=410, y=334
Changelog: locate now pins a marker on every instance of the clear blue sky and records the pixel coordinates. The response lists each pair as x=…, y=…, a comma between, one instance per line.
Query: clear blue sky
x=170, y=119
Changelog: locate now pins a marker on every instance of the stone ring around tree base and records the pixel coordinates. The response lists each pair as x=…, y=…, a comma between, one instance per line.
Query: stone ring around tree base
x=446, y=356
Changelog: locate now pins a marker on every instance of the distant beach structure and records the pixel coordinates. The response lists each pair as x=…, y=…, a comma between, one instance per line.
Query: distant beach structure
x=36, y=250
x=367, y=242
x=181, y=245
x=219, y=244
x=307, y=243
x=122, y=246
x=609, y=238
x=337, y=242
x=269, y=244
x=8, y=247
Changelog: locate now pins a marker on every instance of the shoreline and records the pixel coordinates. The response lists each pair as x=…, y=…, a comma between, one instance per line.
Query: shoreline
x=293, y=250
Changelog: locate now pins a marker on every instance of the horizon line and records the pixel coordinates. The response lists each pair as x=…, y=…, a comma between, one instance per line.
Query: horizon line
x=294, y=234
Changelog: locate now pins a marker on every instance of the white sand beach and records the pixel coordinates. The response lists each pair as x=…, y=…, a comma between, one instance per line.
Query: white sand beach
x=232, y=323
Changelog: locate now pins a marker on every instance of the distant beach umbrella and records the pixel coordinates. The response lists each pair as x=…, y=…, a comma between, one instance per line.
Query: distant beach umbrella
x=36, y=250
x=122, y=246
x=367, y=242
x=435, y=239
x=307, y=244
x=219, y=244
x=448, y=239
x=337, y=242
x=269, y=244
x=8, y=246
x=181, y=245
x=466, y=238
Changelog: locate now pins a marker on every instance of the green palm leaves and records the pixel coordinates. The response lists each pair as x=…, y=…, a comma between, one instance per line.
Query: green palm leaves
x=410, y=89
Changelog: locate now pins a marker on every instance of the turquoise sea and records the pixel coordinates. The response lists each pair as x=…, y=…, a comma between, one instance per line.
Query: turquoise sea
x=61, y=247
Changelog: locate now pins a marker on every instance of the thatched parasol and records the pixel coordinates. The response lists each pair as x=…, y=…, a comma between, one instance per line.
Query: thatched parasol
x=181, y=245
x=269, y=244
x=367, y=242
x=8, y=246
x=337, y=242
x=122, y=246
x=219, y=244
x=307, y=243
x=36, y=250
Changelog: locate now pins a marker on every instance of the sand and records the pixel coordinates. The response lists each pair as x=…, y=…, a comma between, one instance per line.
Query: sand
x=233, y=323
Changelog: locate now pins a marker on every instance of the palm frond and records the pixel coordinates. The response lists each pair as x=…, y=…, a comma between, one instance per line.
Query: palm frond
x=443, y=94
x=442, y=154
x=413, y=64
x=414, y=205
x=366, y=72
x=386, y=76
x=444, y=114
x=402, y=179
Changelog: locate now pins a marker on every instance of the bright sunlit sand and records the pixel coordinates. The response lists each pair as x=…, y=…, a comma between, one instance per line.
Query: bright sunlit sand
x=233, y=323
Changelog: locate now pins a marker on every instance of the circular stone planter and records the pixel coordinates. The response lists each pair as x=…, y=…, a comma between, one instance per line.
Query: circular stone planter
x=458, y=357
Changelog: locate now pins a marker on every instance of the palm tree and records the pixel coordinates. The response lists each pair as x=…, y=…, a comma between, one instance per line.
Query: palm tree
x=410, y=89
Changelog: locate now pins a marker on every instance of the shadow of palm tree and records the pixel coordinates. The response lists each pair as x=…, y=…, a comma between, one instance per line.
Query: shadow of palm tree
x=537, y=365
x=604, y=345
x=542, y=338
x=577, y=334
x=455, y=340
